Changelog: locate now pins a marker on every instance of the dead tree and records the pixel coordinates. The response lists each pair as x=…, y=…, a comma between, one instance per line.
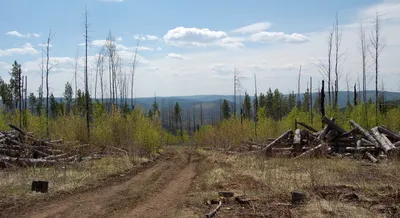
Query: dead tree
x=326, y=70
x=322, y=99
x=49, y=66
x=298, y=89
x=133, y=75
x=363, y=51
x=86, y=74
x=338, y=42
x=377, y=47
x=111, y=53
x=76, y=73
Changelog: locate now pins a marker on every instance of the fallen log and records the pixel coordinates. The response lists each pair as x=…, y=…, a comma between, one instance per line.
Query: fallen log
x=331, y=135
x=371, y=157
x=321, y=136
x=17, y=129
x=313, y=151
x=28, y=161
x=307, y=126
x=361, y=149
x=352, y=132
x=333, y=125
x=391, y=134
x=366, y=142
x=214, y=212
x=365, y=133
x=297, y=140
x=272, y=144
x=381, y=140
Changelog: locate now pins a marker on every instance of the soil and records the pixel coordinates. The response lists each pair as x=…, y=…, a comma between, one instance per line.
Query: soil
x=157, y=190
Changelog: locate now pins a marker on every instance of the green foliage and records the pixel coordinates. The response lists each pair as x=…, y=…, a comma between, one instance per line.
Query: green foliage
x=226, y=109
x=247, y=112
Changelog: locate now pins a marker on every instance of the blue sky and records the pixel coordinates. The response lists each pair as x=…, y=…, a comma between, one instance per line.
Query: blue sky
x=192, y=47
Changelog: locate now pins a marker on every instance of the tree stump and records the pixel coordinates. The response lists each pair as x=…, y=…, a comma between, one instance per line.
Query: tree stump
x=40, y=186
x=298, y=198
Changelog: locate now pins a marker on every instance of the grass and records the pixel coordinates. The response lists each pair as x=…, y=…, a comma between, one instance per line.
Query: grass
x=15, y=185
x=334, y=187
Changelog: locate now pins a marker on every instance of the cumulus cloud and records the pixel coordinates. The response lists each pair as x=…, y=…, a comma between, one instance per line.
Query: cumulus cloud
x=253, y=28
x=26, y=49
x=182, y=36
x=143, y=37
x=20, y=35
x=119, y=39
x=270, y=37
x=175, y=56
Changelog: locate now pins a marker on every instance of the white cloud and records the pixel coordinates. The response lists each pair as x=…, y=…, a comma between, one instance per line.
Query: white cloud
x=181, y=36
x=143, y=48
x=159, y=49
x=143, y=37
x=270, y=37
x=253, y=28
x=119, y=39
x=221, y=69
x=175, y=56
x=20, y=35
x=26, y=49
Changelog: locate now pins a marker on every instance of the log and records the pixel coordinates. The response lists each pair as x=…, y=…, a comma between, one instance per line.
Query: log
x=371, y=157
x=53, y=157
x=391, y=134
x=388, y=141
x=333, y=125
x=348, y=139
x=361, y=149
x=214, y=212
x=272, y=144
x=381, y=141
x=28, y=161
x=297, y=140
x=365, y=133
x=397, y=144
x=352, y=132
x=366, y=142
x=324, y=131
x=313, y=151
x=17, y=129
x=331, y=135
x=307, y=126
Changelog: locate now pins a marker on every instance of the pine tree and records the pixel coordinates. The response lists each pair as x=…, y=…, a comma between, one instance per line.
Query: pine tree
x=177, y=116
x=269, y=101
x=53, y=106
x=262, y=100
x=226, y=110
x=247, y=112
x=15, y=82
x=68, y=93
x=6, y=94
x=306, y=101
x=32, y=102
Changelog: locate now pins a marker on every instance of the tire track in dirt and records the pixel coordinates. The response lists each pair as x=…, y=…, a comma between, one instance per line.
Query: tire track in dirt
x=155, y=192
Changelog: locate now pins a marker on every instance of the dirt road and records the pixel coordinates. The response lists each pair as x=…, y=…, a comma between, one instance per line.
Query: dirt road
x=157, y=191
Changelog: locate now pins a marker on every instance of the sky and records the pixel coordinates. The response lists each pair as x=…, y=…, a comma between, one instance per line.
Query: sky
x=193, y=47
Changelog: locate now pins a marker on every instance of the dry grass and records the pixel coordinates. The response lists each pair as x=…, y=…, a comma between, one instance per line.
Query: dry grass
x=15, y=185
x=335, y=187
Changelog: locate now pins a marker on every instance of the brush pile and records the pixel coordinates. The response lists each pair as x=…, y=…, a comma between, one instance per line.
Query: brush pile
x=18, y=148
x=377, y=143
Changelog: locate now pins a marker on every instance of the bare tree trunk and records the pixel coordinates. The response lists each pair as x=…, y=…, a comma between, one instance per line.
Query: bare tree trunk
x=133, y=75
x=48, y=68
x=20, y=90
x=338, y=41
x=377, y=50
x=86, y=75
x=298, y=89
x=363, y=50
x=330, y=43
x=311, y=101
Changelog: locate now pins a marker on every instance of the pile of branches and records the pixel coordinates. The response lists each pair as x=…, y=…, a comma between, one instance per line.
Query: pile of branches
x=333, y=140
x=18, y=149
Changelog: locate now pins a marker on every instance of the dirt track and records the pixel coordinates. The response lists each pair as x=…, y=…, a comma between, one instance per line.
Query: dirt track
x=158, y=191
